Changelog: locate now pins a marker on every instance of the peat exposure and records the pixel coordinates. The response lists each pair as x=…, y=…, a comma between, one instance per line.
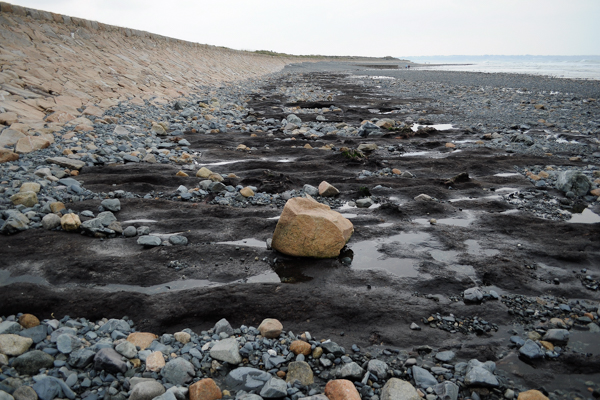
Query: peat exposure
x=476, y=233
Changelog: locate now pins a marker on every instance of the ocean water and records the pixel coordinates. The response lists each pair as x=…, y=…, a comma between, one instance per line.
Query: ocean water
x=576, y=67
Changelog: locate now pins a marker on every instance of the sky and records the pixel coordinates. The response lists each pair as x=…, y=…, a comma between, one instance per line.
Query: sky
x=399, y=28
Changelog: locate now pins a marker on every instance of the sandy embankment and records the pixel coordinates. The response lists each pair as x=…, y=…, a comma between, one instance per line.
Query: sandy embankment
x=56, y=68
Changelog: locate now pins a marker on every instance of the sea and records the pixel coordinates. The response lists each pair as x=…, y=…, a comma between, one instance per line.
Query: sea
x=575, y=67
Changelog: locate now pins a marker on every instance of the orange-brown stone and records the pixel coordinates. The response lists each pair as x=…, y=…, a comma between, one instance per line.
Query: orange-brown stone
x=28, y=321
x=532, y=395
x=307, y=228
x=341, y=389
x=142, y=339
x=300, y=347
x=205, y=389
x=7, y=155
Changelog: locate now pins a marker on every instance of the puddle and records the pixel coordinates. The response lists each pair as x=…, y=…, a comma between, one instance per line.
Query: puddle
x=6, y=279
x=406, y=248
x=430, y=154
x=506, y=189
x=267, y=277
x=139, y=221
x=182, y=284
x=247, y=243
x=470, y=217
x=349, y=215
x=584, y=341
x=474, y=248
x=587, y=216
x=215, y=164
x=507, y=174
x=439, y=127
x=385, y=224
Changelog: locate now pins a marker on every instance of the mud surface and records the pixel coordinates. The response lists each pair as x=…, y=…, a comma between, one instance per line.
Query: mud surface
x=403, y=268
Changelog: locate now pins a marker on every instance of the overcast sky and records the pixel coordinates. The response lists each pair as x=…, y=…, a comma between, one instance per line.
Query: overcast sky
x=397, y=28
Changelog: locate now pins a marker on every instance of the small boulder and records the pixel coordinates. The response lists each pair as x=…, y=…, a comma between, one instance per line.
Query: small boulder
x=398, y=389
x=31, y=362
x=28, y=199
x=341, y=389
x=205, y=389
x=14, y=345
x=113, y=205
x=270, y=328
x=70, y=222
x=300, y=371
x=50, y=221
x=327, y=190
x=226, y=350
x=573, y=181
x=178, y=371
x=307, y=228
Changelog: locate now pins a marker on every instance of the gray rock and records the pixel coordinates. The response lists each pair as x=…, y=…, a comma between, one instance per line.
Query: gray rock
x=178, y=371
x=68, y=182
x=31, y=362
x=15, y=223
x=130, y=231
x=398, y=389
x=481, y=374
x=109, y=360
x=350, y=371
x=149, y=241
x=275, y=388
x=178, y=240
x=81, y=358
x=532, y=350
x=378, y=368
x=415, y=327
x=169, y=395
x=445, y=356
x=25, y=393
x=106, y=218
x=226, y=350
x=5, y=396
x=126, y=349
x=446, y=390
x=333, y=348
x=364, y=203
x=55, y=334
x=115, y=324
x=143, y=230
x=66, y=343
x=473, y=295
x=315, y=397
x=246, y=378
x=50, y=221
x=49, y=387
x=216, y=187
x=223, y=326
x=423, y=378
x=8, y=327
x=294, y=119
x=66, y=162
x=573, y=181
x=560, y=336
x=147, y=390
x=37, y=333
x=113, y=205
x=310, y=190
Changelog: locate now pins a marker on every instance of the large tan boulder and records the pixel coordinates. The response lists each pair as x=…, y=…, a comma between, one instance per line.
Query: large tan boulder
x=308, y=228
x=7, y=155
x=31, y=143
x=10, y=137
